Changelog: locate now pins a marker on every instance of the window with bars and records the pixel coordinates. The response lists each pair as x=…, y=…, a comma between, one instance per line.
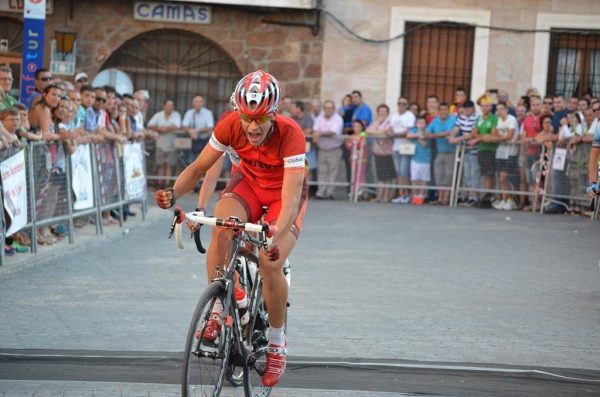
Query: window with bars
x=438, y=58
x=574, y=63
x=178, y=64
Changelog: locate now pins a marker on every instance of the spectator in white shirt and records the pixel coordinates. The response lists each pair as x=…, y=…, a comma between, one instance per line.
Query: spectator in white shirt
x=166, y=123
x=402, y=121
x=198, y=122
x=507, y=156
x=328, y=129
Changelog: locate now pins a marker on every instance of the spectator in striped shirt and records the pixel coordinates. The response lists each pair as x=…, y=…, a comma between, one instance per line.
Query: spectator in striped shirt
x=462, y=133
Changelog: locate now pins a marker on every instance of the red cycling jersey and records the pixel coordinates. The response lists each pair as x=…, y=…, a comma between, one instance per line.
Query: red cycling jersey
x=264, y=164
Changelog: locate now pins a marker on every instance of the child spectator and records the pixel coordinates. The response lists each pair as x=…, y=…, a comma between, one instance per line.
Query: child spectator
x=356, y=145
x=420, y=164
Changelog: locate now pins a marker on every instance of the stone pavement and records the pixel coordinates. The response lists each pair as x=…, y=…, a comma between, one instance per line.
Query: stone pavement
x=368, y=281
x=15, y=388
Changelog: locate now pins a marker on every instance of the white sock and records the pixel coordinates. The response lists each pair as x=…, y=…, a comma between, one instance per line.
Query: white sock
x=276, y=336
x=218, y=306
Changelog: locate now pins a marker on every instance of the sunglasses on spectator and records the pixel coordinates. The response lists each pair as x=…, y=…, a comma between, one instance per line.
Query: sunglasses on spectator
x=45, y=78
x=100, y=99
x=261, y=119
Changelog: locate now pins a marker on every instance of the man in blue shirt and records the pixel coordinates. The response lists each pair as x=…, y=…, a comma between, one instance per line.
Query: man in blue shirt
x=362, y=111
x=560, y=111
x=441, y=127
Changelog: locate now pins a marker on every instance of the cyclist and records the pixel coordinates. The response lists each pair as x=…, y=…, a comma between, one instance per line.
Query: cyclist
x=271, y=148
x=593, y=189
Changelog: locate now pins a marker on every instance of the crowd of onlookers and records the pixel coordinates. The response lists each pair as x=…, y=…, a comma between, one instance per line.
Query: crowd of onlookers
x=65, y=114
x=409, y=154
x=405, y=156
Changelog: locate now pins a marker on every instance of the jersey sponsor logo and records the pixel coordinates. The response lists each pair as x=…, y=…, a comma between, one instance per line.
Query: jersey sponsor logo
x=294, y=161
x=260, y=164
x=216, y=144
x=233, y=156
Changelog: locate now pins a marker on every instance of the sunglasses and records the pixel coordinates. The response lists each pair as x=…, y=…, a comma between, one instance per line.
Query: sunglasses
x=45, y=78
x=103, y=100
x=257, y=119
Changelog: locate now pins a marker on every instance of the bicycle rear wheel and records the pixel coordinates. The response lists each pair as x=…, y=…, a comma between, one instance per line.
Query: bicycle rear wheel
x=206, y=363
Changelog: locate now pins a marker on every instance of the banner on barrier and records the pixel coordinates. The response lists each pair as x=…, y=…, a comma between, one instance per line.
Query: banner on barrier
x=14, y=183
x=135, y=180
x=82, y=180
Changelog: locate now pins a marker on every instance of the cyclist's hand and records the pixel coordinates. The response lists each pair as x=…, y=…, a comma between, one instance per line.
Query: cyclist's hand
x=593, y=189
x=165, y=198
x=193, y=226
x=272, y=252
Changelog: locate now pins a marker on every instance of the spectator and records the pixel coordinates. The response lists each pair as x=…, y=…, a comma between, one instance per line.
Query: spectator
x=346, y=110
x=507, y=156
x=420, y=164
x=414, y=108
x=42, y=77
x=560, y=112
x=362, y=111
x=432, y=106
x=95, y=116
x=462, y=133
x=356, y=144
x=547, y=105
x=25, y=131
x=402, y=121
x=485, y=135
x=143, y=98
x=11, y=121
x=504, y=97
x=583, y=104
x=6, y=80
x=41, y=118
x=460, y=96
x=382, y=150
x=328, y=129
x=81, y=79
x=166, y=122
x=305, y=121
x=316, y=108
x=532, y=126
x=79, y=116
x=285, y=107
x=441, y=129
x=572, y=104
x=198, y=122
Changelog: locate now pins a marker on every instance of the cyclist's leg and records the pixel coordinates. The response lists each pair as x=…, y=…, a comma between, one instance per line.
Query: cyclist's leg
x=238, y=200
x=275, y=287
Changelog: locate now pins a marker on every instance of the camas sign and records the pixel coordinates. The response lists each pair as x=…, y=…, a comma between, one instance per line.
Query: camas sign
x=171, y=12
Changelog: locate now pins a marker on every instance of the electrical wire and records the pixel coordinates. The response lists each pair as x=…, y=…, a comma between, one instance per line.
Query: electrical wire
x=447, y=23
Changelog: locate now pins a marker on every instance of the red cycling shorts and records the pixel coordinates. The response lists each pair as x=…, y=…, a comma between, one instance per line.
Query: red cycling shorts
x=253, y=198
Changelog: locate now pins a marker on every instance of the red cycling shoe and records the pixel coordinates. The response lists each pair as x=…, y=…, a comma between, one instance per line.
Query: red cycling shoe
x=275, y=367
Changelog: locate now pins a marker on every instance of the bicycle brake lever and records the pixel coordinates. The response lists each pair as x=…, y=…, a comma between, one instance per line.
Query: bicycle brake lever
x=198, y=242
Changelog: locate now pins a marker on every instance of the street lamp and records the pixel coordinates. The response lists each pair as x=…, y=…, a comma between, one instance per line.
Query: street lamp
x=65, y=41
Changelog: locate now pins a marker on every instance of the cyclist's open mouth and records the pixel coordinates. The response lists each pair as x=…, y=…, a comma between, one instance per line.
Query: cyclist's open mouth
x=255, y=138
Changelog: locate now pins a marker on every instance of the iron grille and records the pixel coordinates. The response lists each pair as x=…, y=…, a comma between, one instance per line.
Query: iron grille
x=438, y=58
x=574, y=63
x=176, y=64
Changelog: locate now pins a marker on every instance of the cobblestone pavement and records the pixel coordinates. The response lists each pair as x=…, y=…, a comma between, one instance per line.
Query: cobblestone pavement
x=368, y=281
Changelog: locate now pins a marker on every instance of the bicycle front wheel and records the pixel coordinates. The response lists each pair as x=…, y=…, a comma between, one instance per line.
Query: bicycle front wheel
x=206, y=362
x=257, y=338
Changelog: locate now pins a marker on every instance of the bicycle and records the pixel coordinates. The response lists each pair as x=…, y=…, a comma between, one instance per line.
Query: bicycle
x=239, y=354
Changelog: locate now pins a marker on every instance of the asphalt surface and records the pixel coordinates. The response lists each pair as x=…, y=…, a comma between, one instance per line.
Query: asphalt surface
x=416, y=299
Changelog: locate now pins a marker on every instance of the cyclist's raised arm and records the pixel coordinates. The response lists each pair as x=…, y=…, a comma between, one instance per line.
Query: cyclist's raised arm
x=210, y=182
x=193, y=172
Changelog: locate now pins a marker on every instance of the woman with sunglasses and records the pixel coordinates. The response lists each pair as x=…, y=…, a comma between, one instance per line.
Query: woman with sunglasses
x=272, y=149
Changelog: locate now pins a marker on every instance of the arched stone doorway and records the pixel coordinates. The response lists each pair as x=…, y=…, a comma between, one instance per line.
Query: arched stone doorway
x=177, y=64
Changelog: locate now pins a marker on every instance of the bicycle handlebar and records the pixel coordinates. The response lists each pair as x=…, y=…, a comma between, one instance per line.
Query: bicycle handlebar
x=232, y=223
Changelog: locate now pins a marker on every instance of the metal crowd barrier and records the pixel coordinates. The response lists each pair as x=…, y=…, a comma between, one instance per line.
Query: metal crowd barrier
x=50, y=195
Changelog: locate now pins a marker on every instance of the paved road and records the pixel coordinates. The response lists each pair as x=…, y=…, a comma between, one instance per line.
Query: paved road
x=377, y=282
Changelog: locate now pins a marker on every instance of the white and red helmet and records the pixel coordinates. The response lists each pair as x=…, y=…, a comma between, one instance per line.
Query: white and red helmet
x=257, y=93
